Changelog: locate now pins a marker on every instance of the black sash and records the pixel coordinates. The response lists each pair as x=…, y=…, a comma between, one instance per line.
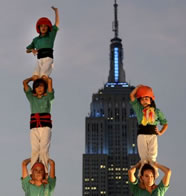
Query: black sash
x=45, y=52
x=147, y=130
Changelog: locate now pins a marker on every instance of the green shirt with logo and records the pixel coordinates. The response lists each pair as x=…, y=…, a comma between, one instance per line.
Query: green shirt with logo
x=138, y=108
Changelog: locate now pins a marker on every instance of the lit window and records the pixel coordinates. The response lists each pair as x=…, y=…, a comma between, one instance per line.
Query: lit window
x=102, y=166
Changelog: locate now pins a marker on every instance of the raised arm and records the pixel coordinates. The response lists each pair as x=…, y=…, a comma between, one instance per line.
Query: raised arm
x=56, y=15
x=133, y=93
x=26, y=81
x=166, y=171
x=48, y=80
x=132, y=171
x=24, y=168
x=52, y=168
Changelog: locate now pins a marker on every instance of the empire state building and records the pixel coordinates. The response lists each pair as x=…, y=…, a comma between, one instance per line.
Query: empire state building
x=111, y=130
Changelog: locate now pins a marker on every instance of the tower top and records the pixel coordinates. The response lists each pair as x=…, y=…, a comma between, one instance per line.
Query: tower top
x=115, y=26
x=116, y=73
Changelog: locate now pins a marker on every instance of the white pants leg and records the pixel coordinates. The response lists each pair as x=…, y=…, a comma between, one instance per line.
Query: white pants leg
x=44, y=66
x=40, y=143
x=152, y=147
x=45, y=135
x=142, y=147
x=35, y=148
x=147, y=149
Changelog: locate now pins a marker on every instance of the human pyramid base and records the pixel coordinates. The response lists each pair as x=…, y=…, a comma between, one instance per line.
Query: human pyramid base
x=142, y=100
x=40, y=180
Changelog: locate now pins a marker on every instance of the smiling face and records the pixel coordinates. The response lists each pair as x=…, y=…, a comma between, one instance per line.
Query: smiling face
x=38, y=173
x=148, y=178
x=145, y=101
x=43, y=29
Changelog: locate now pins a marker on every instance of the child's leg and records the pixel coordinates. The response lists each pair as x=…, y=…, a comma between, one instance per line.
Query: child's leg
x=37, y=69
x=142, y=150
x=153, y=151
x=152, y=148
x=45, y=138
x=142, y=147
x=34, y=140
x=46, y=66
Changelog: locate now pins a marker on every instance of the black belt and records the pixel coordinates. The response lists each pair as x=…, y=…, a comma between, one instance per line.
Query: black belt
x=45, y=52
x=147, y=130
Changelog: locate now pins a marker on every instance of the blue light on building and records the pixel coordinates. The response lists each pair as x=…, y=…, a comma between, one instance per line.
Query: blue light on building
x=111, y=84
x=116, y=64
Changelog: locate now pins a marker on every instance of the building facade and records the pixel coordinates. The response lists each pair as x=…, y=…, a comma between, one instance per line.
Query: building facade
x=111, y=131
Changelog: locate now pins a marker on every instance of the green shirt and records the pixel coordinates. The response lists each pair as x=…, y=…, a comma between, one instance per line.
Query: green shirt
x=33, y=190
x=138, y=108
x=137, y=191
x=46, y=41
x=39, y=105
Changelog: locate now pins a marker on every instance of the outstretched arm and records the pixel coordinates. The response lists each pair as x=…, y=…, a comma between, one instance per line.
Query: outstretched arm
x=24, y=168
x=133, y=93
x=52, y=168
x=166, y=171
x=56, y=16
x=132, y=171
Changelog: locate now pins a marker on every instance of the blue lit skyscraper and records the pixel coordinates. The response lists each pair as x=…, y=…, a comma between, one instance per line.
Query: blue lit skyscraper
x=111, y=131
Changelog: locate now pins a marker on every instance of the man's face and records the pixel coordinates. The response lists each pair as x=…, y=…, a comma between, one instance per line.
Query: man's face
x=38, y=173
x=148, y=178
x=145, y=101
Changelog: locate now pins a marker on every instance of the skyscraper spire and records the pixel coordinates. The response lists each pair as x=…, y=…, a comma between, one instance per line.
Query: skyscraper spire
x=115, y=22
x=116, y=73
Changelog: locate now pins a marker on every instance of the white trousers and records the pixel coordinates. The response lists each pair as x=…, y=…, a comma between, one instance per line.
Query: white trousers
x=148, y=150
x=40, y=142
x=147, y=147
x=44, y=66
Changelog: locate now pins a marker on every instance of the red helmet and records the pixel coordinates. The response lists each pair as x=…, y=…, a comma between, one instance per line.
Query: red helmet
x=145, y=91
x=45, y=21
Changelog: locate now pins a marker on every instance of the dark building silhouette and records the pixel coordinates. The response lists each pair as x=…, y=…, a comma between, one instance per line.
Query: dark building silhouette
x=111, y=131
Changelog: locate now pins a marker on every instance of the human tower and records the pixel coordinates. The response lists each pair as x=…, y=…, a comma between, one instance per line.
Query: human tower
x=142, y=100
x=40, y=179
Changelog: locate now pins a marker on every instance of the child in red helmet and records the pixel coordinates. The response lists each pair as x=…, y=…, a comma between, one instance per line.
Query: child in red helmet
x=148, y=117
x=36, y=183
x=42, y=45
